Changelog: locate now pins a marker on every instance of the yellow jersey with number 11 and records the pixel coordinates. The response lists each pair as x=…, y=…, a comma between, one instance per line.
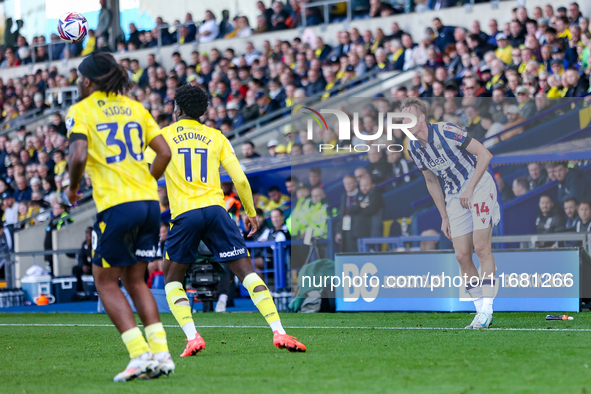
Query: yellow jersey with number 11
x=193, y=174
x=118, y=130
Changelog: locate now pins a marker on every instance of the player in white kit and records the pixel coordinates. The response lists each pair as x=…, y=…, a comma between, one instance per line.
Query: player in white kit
x=469, y=207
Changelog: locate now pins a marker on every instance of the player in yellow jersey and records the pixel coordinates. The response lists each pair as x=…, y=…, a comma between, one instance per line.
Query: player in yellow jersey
x=108, y=133
x=198, y=214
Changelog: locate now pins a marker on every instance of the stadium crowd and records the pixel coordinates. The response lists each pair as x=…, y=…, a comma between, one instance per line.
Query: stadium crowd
x=489, y=82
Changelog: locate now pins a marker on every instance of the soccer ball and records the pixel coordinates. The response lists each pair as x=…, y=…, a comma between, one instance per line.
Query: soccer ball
x=72, y=27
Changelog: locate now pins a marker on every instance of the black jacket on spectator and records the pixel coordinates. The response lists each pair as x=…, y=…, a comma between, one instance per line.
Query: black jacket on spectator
x=581, y=227
x=475, y=129
x=349, y=239
x=340, y=50
x=314, y=88
x=250, y=112
x=507, y=194
x=380, y=171
x=541, y=181
x=580, y=90
x=135, y=38
x=365, y=216
x=553, y=222
x=574, y=185
x=445, y=36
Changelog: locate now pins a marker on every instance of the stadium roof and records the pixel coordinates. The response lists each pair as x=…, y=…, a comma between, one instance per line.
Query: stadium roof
x=564, y=151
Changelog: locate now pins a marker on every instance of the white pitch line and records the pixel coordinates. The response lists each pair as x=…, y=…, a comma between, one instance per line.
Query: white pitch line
x=308, y=327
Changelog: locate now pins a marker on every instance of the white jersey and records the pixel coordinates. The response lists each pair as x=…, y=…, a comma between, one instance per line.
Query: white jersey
x=445, y=155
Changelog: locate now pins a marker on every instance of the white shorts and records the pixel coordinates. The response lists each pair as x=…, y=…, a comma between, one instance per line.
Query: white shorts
x=484, y=208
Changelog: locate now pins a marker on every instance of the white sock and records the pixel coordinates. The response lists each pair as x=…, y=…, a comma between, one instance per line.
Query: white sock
x=223, y=298
x=277, y=326
x=161, y=355
x=476, y=295
x=190, y=330
x=487, y=305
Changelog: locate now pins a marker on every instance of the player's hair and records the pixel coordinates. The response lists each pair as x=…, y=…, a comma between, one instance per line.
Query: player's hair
x=587, y=203
x=273, y=189
x=259, y=212
x=414, y=102
x=316, y=170
x=116, y=80
x=248, y=143
x=192, y=100
x=571, y=199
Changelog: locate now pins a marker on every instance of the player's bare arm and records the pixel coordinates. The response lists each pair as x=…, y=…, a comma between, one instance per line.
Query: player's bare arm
x=77, y=164
x=483, y=157
x=163, y=155
x=435, y=191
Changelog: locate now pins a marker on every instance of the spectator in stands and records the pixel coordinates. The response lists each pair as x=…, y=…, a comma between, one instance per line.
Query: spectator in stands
x=248, y=150
x=474, y=126
x=379, y=169
x=317, y=214
x=520, y=186
x=549, y=220
x=584, y=223
x=60, y=218
x=368, y=209
x=279, y=232
x=537, y=176
x=571, y=208
x=399, y=165
x=506, y=192
x=345, y=227
x=271, y=146
x=10, y=209
x=276, y=199
x=209, y=29
x=84, y=266
x=300, y=212
x=513, y=119
x=278, y=17
x=315, y=177
x=445, y=34
x=571, y=183
x=23, y=191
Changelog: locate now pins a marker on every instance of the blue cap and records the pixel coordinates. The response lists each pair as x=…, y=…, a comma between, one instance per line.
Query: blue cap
x=7, y=194
x=259, y=94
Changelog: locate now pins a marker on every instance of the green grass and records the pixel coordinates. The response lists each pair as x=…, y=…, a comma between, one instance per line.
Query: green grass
x=50, y=359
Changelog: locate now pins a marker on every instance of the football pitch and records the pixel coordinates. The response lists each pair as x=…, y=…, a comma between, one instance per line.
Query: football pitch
x=360, y=352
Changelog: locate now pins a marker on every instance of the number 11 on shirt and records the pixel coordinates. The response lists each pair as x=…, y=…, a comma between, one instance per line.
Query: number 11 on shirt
x=187, y=153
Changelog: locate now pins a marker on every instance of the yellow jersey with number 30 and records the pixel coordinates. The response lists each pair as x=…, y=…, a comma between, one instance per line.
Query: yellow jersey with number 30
x=193, y=174
x=118, y=130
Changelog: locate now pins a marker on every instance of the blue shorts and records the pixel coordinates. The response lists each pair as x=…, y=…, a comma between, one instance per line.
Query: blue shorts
x=126, y=233
x=213, y=226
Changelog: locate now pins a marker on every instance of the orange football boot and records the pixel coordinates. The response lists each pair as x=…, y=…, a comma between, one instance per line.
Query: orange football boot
x=194, y=346
x=284, y=341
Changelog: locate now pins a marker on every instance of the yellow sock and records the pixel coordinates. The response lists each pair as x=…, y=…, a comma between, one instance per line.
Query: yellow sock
x=261, y=299
x=135, y=342
x=156, y=338
x=181, y=311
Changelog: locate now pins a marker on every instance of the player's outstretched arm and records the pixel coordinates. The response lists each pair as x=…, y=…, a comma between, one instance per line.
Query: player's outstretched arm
x=435, y=191
x=77, y=164
x=243, y=188
x=163, y=155
x=483, y=158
